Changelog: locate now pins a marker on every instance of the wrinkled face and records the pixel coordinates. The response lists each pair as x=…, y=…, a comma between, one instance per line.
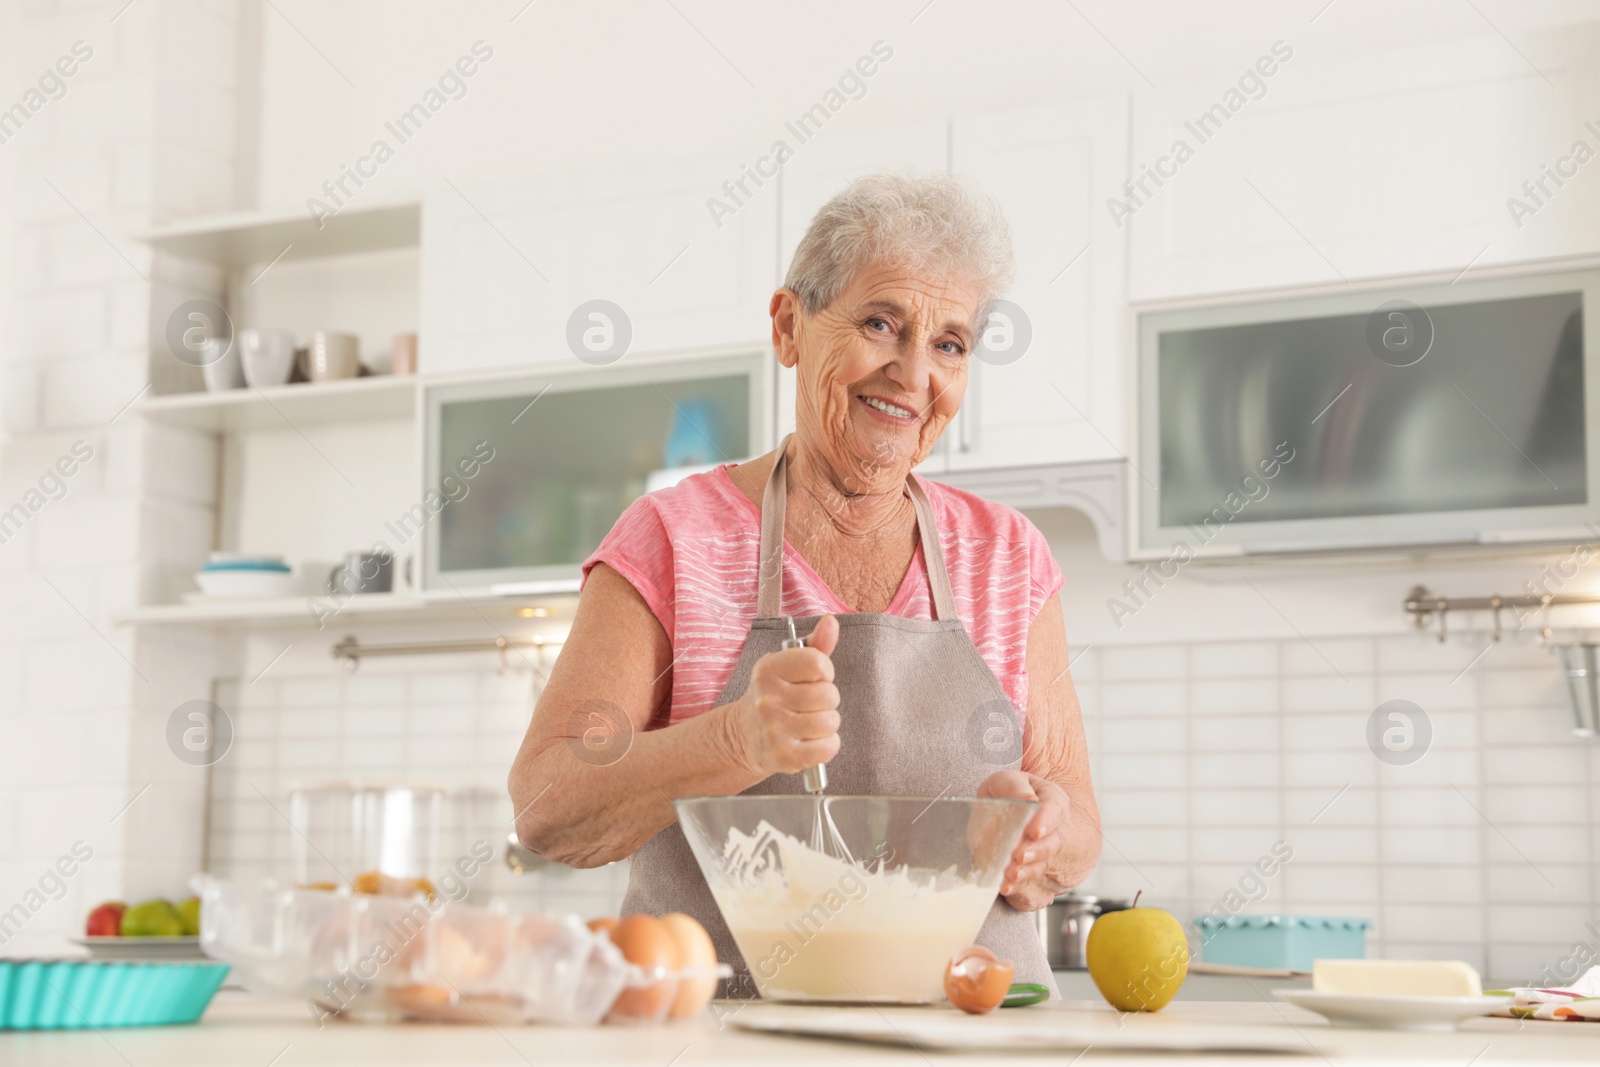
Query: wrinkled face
x=880, y=371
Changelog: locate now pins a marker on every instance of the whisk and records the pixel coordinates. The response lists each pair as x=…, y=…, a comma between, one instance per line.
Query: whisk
x=825, y=835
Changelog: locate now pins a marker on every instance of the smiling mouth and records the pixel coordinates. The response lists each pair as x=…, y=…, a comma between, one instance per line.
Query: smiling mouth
x=884, y=407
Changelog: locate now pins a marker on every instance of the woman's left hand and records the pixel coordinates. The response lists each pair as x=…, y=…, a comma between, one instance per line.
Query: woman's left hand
x=1027, y=884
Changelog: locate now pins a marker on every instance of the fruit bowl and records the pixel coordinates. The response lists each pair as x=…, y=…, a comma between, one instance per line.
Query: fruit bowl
x=812, y=927
x=142, y=948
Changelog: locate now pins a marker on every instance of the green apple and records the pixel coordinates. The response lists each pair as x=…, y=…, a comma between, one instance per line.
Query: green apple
x=1138, y=958
x=189, y=915
x=152, y=918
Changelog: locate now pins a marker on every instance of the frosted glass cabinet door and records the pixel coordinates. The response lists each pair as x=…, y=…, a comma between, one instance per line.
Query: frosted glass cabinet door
x=535, y=470
x=1061, y=398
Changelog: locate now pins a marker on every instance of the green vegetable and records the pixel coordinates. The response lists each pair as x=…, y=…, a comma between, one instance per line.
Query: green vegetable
x=1024, y=993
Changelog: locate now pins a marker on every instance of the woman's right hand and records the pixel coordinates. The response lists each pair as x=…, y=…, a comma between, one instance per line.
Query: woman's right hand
x=788, y=718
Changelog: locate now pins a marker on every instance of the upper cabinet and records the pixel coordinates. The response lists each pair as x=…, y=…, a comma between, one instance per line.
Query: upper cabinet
x=513, y=271
x=687, y=256
x=1049, y=388
x=1300, y=172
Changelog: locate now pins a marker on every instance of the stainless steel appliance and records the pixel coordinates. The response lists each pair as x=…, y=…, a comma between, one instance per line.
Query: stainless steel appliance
x=1065, y=924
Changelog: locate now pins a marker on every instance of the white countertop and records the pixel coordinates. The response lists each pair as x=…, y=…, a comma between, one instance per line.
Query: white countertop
x=240, y=1029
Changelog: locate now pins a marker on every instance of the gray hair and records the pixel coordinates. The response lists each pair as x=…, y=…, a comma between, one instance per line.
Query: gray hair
x=940, y=221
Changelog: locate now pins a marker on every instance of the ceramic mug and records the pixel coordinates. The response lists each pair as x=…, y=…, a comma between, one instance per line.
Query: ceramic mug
x=222, y=368
x=267, y=357
x=404, y=354
x=333, y=355
x=362, y=572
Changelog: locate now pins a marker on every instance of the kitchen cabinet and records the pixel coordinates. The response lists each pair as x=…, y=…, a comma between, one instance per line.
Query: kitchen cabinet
x=1391, y=163
x=1053, y=390
x=508, y=265
x=552, y=485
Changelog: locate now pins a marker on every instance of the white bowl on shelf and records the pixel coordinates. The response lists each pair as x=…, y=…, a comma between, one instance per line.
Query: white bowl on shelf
x=267, y=356
x=246, y=585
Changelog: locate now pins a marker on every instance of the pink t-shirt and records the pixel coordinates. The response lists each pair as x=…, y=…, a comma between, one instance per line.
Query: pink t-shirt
x=691, y=550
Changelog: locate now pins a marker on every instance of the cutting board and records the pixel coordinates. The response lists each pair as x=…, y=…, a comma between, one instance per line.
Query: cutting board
x=1042, y=1028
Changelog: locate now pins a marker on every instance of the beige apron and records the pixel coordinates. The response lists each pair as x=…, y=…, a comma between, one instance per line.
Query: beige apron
x=921, y=715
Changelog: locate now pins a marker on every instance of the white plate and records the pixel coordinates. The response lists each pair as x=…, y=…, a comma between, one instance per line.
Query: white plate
x=1390, y=1012
x=144, y=948
x=246, y=584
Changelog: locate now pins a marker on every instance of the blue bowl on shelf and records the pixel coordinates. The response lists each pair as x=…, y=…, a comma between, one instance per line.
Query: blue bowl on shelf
x=100, y=994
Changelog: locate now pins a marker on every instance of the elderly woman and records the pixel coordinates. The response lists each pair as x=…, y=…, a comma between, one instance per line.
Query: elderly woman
x=935, y=636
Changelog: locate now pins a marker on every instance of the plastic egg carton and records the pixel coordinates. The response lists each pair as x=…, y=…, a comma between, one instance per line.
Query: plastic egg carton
x=381, y=959
x=647, y=996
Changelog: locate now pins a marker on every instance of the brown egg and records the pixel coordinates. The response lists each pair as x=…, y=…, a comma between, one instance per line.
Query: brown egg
x=975, y=981
x=603, y=925
x=646, y=942
x=695, y=950
x=456, y=959
x=421, y=998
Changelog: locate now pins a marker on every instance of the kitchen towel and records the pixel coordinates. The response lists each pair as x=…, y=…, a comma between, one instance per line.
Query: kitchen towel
x=1579, y=1002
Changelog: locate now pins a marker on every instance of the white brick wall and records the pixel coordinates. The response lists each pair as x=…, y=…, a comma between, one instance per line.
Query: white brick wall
x=84, y=702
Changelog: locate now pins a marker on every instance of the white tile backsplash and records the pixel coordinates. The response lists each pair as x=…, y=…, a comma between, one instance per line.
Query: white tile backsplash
x=394, y=721
x=1324, y=845
x=1447, y=855
x=1335, y=656
x=1434, y=922
x=1242, y=659
x=1544, y=883
x=1144, y=698
x=1432, y=884
x=1233, y=696
x=1433, y=845
x=1143, y=662
x=1331, y=694
x=1204, y=755
x=1235, y=733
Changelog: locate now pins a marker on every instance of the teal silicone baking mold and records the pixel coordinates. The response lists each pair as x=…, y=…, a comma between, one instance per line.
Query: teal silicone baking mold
x=1293, y=942
x=75, y=994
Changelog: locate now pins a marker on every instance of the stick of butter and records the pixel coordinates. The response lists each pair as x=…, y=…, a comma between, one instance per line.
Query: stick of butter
x=1397, y=978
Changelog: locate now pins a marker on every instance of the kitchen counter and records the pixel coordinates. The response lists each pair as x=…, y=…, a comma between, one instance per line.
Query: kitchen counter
x=1077, y=985
x=240, y=1029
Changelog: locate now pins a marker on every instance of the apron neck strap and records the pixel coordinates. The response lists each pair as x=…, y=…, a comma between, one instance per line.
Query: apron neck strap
x=770, y=583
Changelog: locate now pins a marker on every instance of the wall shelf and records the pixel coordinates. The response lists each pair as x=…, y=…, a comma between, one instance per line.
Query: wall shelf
x=356, y=400
x=241, y=239
x=295, y=613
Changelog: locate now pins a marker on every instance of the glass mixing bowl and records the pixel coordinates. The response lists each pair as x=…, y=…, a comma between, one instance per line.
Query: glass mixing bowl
x=813, y=927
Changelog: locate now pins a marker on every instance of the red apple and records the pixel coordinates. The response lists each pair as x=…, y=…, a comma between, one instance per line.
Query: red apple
x=106, y=920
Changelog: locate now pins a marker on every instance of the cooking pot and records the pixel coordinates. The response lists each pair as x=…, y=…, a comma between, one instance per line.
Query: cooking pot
x=1066, y=928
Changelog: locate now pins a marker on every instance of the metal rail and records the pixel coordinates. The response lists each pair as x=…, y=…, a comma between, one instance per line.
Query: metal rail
x=1424, y=606
x=352, y=651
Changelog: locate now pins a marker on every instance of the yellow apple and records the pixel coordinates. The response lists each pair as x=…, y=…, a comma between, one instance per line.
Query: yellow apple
x=1138, y=958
